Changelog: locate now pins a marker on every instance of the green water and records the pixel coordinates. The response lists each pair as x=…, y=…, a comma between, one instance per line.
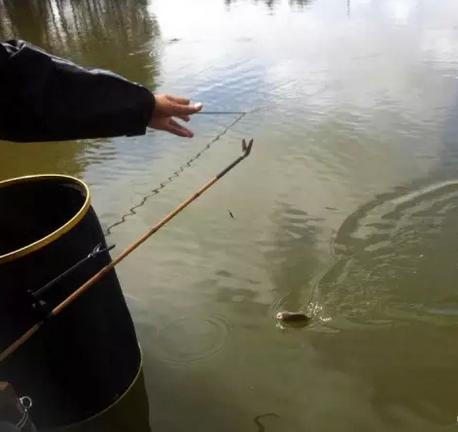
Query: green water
x=347, y=208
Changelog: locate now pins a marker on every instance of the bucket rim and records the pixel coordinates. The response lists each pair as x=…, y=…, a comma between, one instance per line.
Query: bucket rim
x=59, y=232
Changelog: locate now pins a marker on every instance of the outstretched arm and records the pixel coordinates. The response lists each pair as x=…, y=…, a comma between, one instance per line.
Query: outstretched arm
x=46, y=98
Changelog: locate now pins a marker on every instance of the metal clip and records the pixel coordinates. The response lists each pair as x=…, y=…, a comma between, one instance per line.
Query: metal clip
x=25, y=404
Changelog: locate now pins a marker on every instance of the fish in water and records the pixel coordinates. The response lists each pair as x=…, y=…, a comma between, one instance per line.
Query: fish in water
x=294, y=319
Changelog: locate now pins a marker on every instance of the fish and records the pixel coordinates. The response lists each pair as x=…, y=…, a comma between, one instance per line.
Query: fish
x=293, y=319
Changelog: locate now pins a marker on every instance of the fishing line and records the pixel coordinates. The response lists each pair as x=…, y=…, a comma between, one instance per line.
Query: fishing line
x=132, y=210
x=221, y=112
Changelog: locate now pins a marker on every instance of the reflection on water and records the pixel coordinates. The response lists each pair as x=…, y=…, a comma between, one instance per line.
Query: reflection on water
x=272, y=3
x=348, y=201
x=83, y=32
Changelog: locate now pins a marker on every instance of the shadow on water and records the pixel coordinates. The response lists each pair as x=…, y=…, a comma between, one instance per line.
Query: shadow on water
x=103, y=34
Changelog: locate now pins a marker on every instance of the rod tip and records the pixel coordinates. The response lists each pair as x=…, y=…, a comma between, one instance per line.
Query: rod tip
x=247, y=147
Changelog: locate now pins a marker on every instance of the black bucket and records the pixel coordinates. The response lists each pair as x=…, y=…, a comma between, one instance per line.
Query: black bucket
x=82, y=361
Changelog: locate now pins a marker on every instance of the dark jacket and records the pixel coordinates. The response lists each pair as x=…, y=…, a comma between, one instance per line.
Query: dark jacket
x=46, y=98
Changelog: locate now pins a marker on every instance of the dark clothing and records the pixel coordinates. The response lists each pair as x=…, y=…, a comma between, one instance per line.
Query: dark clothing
x=46, y=98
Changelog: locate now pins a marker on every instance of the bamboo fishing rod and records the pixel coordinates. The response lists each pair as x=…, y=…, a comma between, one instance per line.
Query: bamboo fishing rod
x=246, y=149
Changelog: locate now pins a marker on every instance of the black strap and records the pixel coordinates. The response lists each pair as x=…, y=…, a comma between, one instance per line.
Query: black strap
x=93, y=254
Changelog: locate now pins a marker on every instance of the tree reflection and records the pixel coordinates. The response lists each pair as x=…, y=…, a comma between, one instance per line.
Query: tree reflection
x=300, y=3
x=269, y=3
x=103, y=33
x=272, y=3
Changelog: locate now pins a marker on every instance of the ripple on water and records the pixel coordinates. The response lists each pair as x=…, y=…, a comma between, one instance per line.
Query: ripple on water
x=189, y=340
x=396, y=260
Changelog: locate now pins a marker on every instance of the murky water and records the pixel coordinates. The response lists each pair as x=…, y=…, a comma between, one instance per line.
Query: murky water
x=347, y=207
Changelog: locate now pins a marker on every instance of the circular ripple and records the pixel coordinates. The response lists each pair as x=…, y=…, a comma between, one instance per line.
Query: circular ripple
x=192, y=339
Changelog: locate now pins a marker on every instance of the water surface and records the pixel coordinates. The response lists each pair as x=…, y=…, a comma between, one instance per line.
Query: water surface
x=347, y=207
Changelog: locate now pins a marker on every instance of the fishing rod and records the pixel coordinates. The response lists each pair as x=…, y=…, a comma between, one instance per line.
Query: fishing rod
x=246, y=149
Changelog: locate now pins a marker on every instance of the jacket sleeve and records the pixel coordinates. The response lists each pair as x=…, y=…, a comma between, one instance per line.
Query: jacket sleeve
x=46, y=98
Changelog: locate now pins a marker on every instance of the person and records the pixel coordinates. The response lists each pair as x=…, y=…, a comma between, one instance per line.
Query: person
x=47, y=98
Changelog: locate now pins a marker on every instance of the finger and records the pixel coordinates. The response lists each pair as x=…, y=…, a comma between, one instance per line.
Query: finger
x=178, y=99
x=179, y=130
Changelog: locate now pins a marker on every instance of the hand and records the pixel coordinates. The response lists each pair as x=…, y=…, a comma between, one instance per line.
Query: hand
x=167, y=107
